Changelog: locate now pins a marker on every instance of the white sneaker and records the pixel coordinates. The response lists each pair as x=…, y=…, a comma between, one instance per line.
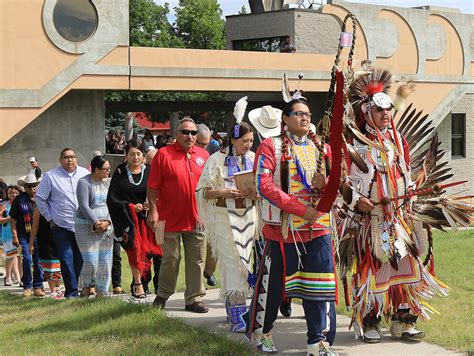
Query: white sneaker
x=405, y=330
x=371, y=334
x=320, y=349
x=265, y=343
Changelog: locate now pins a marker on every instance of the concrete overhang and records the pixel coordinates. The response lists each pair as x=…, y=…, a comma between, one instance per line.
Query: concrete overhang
x=36, y=72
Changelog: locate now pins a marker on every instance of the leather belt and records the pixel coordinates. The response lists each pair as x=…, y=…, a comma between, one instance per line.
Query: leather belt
x=239, y=203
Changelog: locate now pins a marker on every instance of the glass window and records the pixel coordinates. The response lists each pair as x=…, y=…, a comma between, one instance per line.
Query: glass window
x=458, y=135
x=75, y=20
x=258, y=44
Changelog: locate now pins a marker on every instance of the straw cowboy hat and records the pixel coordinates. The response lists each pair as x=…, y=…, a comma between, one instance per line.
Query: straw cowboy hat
x=28, y=179
x=266, y=120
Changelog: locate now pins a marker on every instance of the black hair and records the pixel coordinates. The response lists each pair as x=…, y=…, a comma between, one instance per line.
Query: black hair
x=147, y=132
x=131, y=144
x=289, y=105
x=64, y=150
x=244, y=128
x=97, y=163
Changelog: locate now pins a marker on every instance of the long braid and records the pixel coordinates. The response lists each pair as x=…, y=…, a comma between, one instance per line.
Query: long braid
x=229, y=142
x=284, y=159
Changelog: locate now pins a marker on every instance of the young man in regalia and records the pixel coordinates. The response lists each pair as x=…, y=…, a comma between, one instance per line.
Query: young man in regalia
x=298, y=260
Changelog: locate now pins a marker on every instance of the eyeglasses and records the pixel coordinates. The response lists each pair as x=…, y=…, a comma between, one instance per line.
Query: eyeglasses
x=300, y=114
x=187, y=132
x=68, y=157
x=105, y=169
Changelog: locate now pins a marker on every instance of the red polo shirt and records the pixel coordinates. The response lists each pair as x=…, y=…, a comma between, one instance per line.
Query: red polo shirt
x=175, y=174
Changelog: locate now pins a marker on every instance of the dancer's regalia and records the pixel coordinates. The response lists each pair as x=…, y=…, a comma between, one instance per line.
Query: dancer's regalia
x=298, y=256
x=383, y=248
x=230, y=225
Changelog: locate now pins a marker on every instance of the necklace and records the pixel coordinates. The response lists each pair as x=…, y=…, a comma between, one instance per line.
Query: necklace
x=130, y=177
x=297, y=139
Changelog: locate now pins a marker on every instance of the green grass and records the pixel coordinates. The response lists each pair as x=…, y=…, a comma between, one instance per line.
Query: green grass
x=453, y=327
x=101, y=326
x=108, y=326
x=454, y=266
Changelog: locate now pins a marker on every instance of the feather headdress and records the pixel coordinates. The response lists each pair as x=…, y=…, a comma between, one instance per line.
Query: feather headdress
x=365, y=87
x=285, y=89
x=239, y=112
x=239, y=109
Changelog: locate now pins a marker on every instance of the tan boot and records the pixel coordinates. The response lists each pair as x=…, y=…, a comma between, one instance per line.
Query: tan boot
x=39, y=292
x=27, y=292
x=118, y=290
x=85, y=292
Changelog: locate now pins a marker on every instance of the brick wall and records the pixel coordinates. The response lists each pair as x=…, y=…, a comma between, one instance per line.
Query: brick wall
x=252, y=26
x=316, y=33
x=311, y=32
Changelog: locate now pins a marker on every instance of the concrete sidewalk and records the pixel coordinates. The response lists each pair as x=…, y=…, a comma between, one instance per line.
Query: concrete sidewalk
x=289, y=334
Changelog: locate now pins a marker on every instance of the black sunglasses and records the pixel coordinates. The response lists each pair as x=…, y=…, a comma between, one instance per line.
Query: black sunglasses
x=380, y=109
x=187, y=132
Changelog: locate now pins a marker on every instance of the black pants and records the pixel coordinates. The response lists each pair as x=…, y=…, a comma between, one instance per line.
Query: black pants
x=116, y=266
x=156, y=272
x=315, y=311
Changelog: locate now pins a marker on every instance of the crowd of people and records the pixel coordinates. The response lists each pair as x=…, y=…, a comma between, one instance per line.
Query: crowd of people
x=115, y=142
x=256, y=215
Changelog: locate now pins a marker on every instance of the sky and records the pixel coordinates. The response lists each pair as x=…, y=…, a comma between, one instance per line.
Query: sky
x=232, y=7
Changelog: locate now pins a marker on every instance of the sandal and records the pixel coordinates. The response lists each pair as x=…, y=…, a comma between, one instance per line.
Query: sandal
x=135, y=289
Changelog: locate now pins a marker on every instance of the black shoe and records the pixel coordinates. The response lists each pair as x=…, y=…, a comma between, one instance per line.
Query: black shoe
x=197, y=307
x=285, y=309
x=159, y=302
x=211, y=280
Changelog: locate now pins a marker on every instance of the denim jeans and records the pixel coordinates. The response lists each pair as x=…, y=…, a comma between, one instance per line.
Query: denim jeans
x=70, y=258
x=29, y=280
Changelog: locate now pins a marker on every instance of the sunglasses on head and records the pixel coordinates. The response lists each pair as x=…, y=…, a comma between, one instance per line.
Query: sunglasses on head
x=187, y=132
x=380, y=109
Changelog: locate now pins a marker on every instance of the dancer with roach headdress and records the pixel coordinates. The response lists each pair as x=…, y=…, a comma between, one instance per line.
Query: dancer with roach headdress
x=391, y=197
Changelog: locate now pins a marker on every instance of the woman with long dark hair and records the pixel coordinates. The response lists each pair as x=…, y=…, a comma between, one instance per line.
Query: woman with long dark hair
x=230, y=218
x=94, y=228
x=12, y=260
x=128, y=209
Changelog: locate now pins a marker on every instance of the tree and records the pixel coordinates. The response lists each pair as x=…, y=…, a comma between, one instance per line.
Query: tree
x=199, y=24
x=243, y=10
x=149, y=26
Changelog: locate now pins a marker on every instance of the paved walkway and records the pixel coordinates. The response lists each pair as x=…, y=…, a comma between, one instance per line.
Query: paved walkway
x=289, y=334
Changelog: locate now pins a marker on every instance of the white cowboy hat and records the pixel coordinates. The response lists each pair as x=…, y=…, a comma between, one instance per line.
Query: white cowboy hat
x=266, y=120
x=28, y=179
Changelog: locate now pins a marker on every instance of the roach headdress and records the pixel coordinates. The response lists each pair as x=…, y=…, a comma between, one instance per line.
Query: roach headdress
x=369, y=90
